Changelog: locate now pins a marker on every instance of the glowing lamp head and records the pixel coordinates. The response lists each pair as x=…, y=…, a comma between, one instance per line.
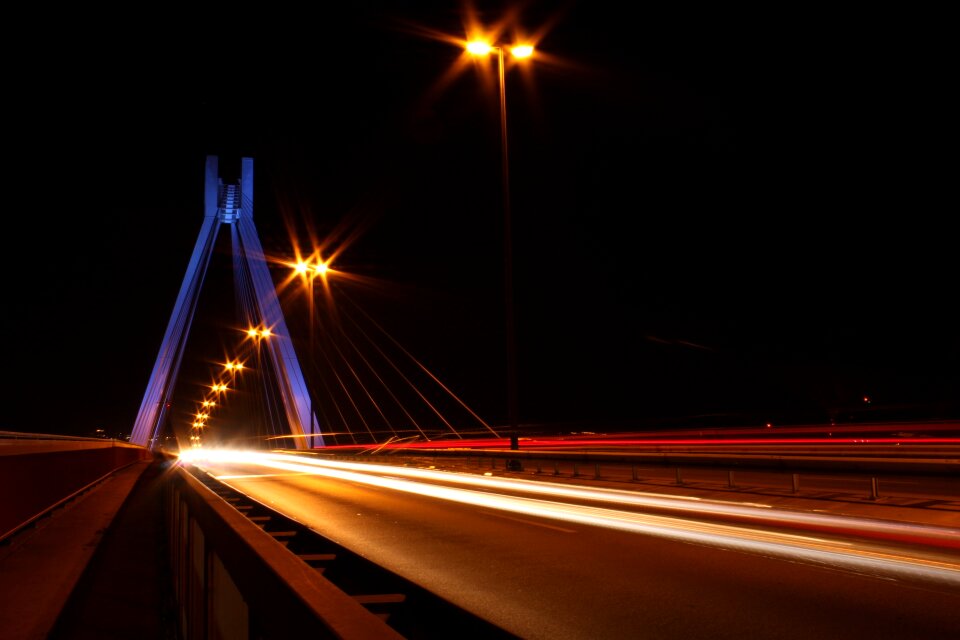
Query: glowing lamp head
x=301, y=267
x=479, y=48
x=522, y=51
x=320, y=268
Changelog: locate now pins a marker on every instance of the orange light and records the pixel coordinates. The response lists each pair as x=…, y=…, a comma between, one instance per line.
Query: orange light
x=522, y=51
x=479, y=48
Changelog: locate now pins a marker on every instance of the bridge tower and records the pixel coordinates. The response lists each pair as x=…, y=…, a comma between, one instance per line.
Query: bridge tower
x=230, y=205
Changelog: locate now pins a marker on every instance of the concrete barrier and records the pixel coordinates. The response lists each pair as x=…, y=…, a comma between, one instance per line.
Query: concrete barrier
x=37, y=475
x=234, y=580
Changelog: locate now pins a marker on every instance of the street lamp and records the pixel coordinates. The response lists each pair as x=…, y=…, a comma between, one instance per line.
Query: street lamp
x=258, y=335
x=233, y=367
x=309, y=272
x=480, y=48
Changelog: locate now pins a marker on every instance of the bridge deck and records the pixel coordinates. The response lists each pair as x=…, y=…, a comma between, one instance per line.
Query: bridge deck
x=97, y=568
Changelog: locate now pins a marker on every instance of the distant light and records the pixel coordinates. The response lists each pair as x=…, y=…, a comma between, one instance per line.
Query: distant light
x=253, y=333
x=321, y=268
x=769, y=425
x=522, y=51
x=301, y=267
x=265, y=333
x=479, y=48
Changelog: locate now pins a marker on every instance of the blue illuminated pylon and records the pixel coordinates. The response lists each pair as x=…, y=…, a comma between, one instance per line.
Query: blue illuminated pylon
x=230, y=204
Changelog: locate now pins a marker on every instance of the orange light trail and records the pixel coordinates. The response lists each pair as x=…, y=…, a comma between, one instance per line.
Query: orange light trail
x=854, y=556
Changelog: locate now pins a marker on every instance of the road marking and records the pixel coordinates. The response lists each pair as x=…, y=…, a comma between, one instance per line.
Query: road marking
x=255, y=476
x=533, y=522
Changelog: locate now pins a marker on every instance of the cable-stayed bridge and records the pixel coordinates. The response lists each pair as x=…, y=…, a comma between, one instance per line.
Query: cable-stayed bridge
x=355, y=383
x=342, y=514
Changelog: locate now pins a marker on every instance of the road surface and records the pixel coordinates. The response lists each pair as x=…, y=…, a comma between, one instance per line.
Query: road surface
x=554, y=567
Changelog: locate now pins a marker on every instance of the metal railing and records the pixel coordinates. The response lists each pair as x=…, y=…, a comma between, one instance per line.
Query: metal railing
x=863, y=477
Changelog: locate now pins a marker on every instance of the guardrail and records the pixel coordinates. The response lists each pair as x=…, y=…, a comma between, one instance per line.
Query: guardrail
x=232, y=579
x=242, y=570
x=869, y=468
x=864, y=459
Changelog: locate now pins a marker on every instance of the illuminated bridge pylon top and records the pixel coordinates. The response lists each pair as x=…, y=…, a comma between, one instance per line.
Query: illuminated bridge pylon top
x=229, y=205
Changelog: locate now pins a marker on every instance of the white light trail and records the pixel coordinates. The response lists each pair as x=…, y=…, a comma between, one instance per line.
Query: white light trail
x=879, y=562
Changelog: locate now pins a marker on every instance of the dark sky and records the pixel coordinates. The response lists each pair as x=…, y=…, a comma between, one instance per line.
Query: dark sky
x=718, y=217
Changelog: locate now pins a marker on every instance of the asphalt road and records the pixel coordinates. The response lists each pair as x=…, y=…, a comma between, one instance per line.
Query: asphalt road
x=542, y=577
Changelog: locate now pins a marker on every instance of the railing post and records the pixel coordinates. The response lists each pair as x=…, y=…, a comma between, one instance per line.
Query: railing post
x=596, y=470
x=679, y=479
x=539, y=469
x=874, y=488
x=796, y=483
x=730, y=482
x=556, y=467
x=576, y=469
x=633, y=472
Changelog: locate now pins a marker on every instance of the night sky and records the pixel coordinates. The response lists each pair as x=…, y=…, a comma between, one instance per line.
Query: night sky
x=718, y=218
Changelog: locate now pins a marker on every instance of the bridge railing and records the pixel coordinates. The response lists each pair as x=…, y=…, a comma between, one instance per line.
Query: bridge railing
x=864, y=473
x=234, y=580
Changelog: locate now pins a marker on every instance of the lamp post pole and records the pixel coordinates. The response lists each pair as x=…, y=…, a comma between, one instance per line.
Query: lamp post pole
x=313, y=364
x=512, y=410
x=481, y=48
x=522, y=51
x=310, y=271
x=261, y=414
x=258, y=335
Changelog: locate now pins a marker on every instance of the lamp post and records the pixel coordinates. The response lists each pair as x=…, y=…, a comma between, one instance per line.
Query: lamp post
x=479, y=48
x=258, y=335
x=309, y=272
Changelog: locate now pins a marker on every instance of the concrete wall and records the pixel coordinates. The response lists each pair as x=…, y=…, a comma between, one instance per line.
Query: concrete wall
x=234, y=581
x=36, y=475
